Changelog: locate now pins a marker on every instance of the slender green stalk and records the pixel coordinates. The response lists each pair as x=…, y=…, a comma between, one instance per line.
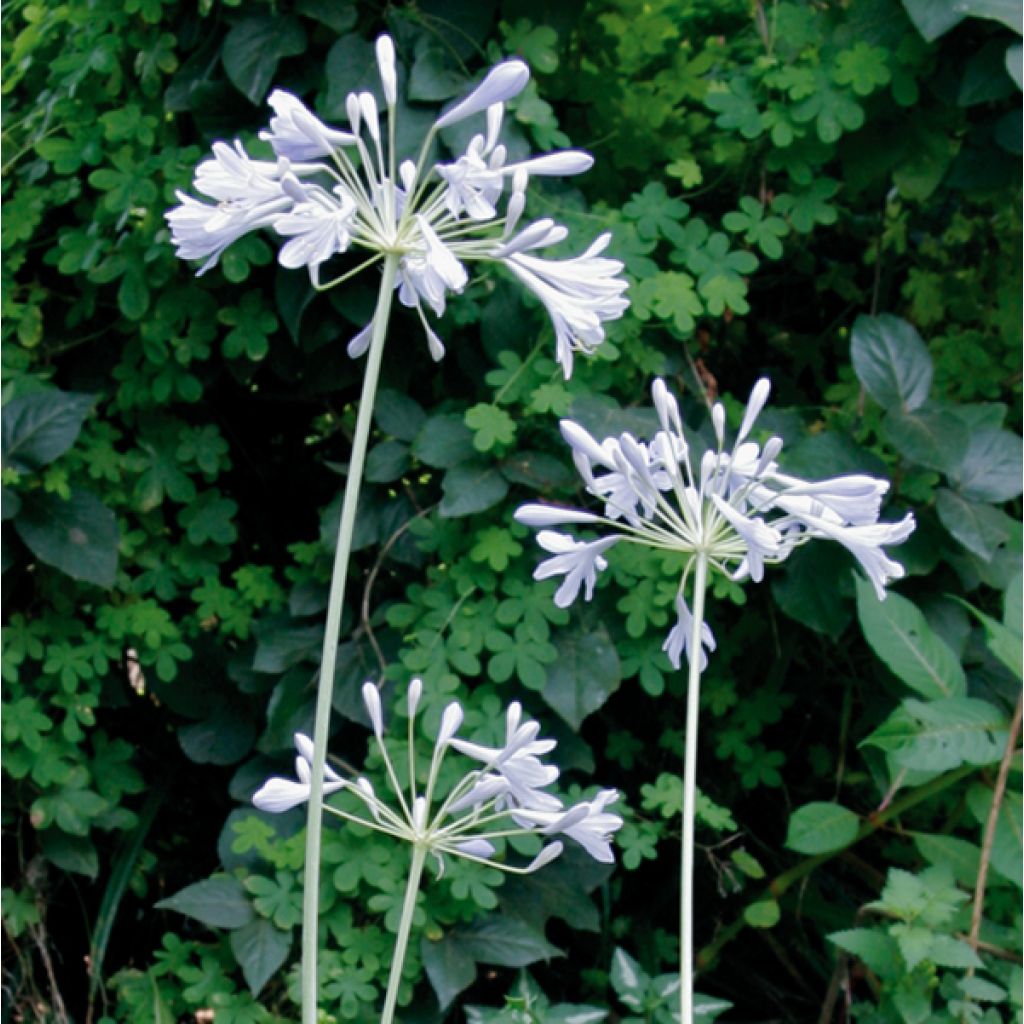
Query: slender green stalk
x=412, y=888
x=335, y=603
x=700, y=582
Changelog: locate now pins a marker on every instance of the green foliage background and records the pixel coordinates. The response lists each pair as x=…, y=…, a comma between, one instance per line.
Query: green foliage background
x=799, y=190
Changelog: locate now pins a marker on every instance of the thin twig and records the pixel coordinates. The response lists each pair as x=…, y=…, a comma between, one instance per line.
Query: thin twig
x=990, y=829
x=371, y=578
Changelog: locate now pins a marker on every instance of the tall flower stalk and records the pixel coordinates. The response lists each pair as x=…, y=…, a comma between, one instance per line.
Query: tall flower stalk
x=506, y=797
x=730, y=509
x=331, y=192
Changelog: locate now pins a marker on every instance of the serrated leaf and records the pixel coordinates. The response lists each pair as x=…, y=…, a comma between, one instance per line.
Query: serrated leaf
x=79, y=536
x=260, y=950
x=220, y=902
x=821, y=828
x=38, y=428
x=874, y=947
x=900, y=635
x=891, y=361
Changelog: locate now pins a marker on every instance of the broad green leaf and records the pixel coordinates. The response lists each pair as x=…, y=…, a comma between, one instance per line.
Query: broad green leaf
x=470, y=488
x=337, y=15
x=397, y=414
x=253, y=48
x=261, y=950
x=79, y=536
x=991, y=466
x=351, y=66
x=933, y=438
x=37, y=428
x=220, y=902
x=505, y=942
x=223, y=738
x=450, y=968
x=891, y=361
x=444, y=441
x=813, y=588
x=980, y=528
x=942, y=734
x=821, y=828
x=874, y=947
x=386, y=461
x=70, y=853
x=900, y=635
x=585, y=675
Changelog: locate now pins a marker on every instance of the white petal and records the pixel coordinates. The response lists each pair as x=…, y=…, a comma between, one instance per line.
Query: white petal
x=503, y=82
x=758, y=397
x=450, y=722
x=277, y=795
x=476, y=848
x=386, y=65
x=412, y=698
x=371, y=698
x=547, y=515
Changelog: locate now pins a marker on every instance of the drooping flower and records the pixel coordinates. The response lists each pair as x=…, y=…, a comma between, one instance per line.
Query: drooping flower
x=333, y=191
x=733, y=506
x=505, y=797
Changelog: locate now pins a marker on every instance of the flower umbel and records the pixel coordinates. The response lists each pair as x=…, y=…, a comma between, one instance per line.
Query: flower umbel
x=331, y=191
x=505, y=797
x=733, y=506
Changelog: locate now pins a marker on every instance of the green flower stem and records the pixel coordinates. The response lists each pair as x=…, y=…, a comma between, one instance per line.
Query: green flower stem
x=412, y=888
x=700, y=583
x=335, y=603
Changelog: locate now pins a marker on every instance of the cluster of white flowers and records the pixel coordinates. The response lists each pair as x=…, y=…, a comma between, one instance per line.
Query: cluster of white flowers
x=733, y=506
x=504, y=798
x=330, y=191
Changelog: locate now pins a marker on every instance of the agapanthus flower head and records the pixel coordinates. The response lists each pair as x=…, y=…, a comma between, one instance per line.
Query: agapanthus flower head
x=332, y=191
x=730, y=505
x=507, y=796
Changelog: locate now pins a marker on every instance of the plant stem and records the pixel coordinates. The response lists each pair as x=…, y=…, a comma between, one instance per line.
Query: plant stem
x=412, y=888
x=990, y=828
x=700, y=582
x=335, y=603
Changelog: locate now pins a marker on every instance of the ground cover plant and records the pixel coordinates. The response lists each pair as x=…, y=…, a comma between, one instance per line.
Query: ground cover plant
x=827, y=196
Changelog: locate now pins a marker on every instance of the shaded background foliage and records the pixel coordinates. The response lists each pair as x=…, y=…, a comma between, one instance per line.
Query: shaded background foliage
x=803, y=191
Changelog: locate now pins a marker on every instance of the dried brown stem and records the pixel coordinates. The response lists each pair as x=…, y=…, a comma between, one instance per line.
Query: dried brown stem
x=990, y=829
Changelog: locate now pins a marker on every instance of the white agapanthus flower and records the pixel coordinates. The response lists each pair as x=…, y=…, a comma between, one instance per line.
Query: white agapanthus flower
x=332, y=191
x=734, y=505
x=504, y=797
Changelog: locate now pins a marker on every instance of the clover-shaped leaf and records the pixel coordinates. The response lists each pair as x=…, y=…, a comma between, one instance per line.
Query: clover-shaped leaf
x=764, y=232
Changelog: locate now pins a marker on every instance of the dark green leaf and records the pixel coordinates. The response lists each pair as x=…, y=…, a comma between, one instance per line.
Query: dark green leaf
x=505, y=942
x=814, y=588
x=434, y=76
x=260, y=950
x=70, y=853
x=223, y=738
x=443, y=442
x=980, y=528
x=78, y=536
x=900, y=635
x=220, y=902
x=935, y=439
x=339, y=15
x=39, y=427
x=991, y=467
x=253, y=48
x=585, y=675
x=891, y=361
x=470, y=488
x=450, y=969
x=398, y=414
x=351, y=67
x=386, y=461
